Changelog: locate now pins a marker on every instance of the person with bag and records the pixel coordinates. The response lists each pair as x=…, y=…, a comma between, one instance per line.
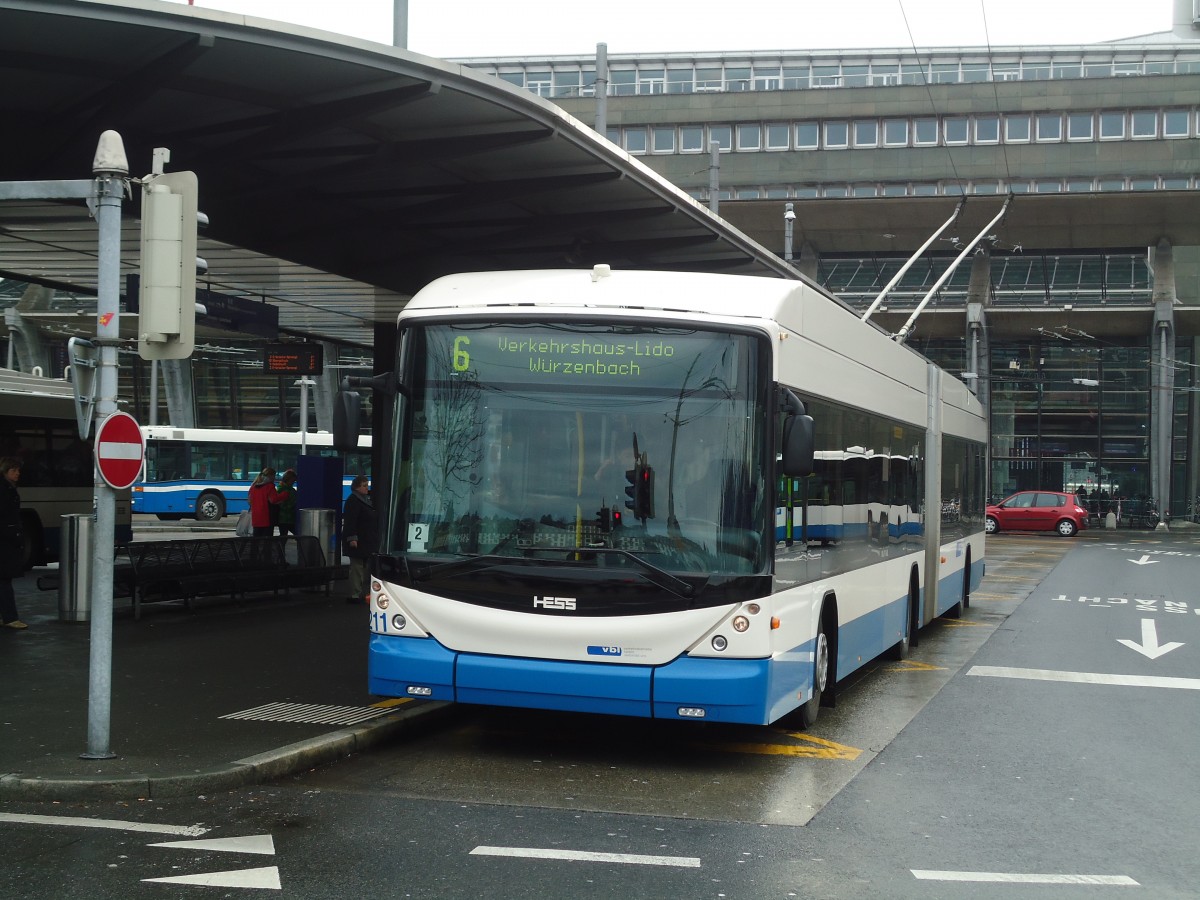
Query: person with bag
x=12, y=541
x=360, y=535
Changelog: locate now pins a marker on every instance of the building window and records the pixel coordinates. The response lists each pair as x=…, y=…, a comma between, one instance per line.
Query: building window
x=954, y=130
x=1112, y=126
x=1143, y=184
x=1049, y=127
x=975, y=72
x=808, y=134
x=622, y=82
x=836, y=190
x=985, y=187
x=866, y=133
x=1079, y=126
x=778, y=134
x=663, y=139
x=747, y=194
x=749, y=137
x=679, y=81
x=1016, y=129
x=855, y=76
x=837, y=134
x=514, y=78
x=539, y=83
x=1048, y=187
x=925, y=132
x=806, y=192
x=723, y=135
x=895, y=132
x=1176, y=184
x=864, y=190
x=691, y=139
x=737, y=79
x=1176, y=123
x=795, y=78
x=1145, y=123
x=895, y=190
x=708, y=80
x=652, y=81
x=945, y=73
x=1079, y=185
x=913, y=73
x=635, y=140
x=1112, y=184
x=924, y=190
x=1067, y=70
x=987, y=130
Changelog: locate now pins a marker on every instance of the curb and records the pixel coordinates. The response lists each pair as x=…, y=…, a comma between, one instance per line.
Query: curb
x=262, y=767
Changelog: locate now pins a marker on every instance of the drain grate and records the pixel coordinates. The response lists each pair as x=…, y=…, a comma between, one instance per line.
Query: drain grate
x=309, y=713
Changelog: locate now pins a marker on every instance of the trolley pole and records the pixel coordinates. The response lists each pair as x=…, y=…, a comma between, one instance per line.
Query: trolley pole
x=111, y=171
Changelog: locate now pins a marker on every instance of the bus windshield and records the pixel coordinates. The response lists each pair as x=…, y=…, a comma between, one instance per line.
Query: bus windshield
x=586, y=444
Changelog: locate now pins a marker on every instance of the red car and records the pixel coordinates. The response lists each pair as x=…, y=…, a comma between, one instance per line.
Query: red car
x=1038, y=511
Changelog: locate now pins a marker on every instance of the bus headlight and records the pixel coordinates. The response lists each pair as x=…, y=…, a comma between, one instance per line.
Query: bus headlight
x=719, y=642
x=740, y=623
x=382, y=601
x=399, y=622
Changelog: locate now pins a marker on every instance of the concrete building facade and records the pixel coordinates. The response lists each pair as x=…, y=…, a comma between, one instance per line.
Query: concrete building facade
x=1076, y=314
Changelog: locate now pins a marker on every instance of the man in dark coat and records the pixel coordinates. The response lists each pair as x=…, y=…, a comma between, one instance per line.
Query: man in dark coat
x=360, y=535
x=12, y=541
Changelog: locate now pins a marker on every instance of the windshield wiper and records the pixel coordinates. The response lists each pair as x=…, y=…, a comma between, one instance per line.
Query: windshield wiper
x=660, y=577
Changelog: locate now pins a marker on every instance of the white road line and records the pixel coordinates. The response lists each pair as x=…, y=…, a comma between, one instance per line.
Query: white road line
x=262, y=844
x=266, y=878
x=116, y=824
x=688, y=862
x=1159, y=681
x=1019, y=878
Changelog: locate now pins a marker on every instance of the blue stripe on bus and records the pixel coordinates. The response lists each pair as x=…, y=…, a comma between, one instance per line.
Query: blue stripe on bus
x=749, y=691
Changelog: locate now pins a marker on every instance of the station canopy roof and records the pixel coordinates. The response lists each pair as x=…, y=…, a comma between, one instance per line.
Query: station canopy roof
x=339, y=175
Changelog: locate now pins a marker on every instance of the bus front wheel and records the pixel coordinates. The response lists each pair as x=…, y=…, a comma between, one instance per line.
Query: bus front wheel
x=806, y=715
x=210, y=508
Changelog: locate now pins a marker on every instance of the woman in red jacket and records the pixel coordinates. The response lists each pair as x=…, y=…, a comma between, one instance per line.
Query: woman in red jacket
x=262, y=495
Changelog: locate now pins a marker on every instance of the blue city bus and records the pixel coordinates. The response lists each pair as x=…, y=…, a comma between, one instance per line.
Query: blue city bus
x=673, y=495
x=206, y=473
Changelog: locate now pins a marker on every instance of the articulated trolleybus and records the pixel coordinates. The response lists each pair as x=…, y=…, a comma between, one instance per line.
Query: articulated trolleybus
x=613, y=491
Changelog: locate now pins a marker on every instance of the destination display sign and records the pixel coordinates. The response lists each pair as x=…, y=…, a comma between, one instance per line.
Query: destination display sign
x=567, y=355
x=293, y=359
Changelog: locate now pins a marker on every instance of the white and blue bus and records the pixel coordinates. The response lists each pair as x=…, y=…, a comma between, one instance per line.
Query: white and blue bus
x=206, y=473
x=58, y=475
x=600, y=487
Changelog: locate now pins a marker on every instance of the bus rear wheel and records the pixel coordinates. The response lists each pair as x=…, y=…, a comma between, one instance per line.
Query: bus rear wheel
x=210, y=507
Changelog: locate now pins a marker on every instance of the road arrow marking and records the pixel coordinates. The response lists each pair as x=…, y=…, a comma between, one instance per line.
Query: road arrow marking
x=1144, y=561
x=266, y=877
x=1149, y=647
x=252, y=843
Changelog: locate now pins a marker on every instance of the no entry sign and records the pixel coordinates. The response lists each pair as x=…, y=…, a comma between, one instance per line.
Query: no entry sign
x=119, y=450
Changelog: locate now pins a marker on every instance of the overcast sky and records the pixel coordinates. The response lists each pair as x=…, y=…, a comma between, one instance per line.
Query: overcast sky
x=454, y=28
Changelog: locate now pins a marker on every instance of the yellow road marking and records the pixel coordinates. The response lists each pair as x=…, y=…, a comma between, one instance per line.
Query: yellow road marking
x=911, y=665
x=388, y=704
x=816, y=748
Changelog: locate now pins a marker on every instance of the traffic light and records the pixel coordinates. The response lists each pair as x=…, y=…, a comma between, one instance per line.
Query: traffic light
x=167, y=287
x=640, y=490
x=603, y=520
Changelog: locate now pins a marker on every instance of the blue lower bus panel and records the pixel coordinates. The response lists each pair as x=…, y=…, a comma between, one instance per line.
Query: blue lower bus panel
x=734, y=690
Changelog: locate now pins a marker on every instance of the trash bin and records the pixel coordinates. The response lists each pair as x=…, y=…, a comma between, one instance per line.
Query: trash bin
x=75, y=569
x=319, y=523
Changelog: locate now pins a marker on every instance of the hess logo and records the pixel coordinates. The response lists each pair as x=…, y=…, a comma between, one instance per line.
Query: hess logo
x=554, y=602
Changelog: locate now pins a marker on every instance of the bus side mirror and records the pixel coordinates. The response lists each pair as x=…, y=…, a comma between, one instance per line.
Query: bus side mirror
x=347, y=420
x=797, y=461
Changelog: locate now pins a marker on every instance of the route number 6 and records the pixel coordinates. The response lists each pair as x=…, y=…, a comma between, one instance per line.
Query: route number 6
x=461, y=358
